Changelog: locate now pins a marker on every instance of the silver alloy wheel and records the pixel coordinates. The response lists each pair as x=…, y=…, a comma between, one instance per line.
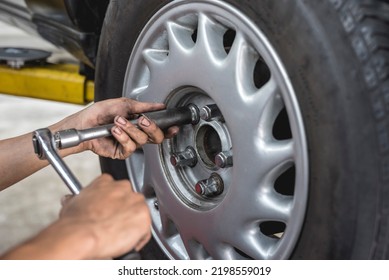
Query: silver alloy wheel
x=208, y=52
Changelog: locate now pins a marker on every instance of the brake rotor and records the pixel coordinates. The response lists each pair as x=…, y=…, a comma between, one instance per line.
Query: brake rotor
x=18, y=57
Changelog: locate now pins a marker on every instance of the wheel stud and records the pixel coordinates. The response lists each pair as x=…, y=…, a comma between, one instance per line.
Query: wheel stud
x=185, y=158
x=211, y=187
x=224, y=159
x=211, y=112
x=156, y=204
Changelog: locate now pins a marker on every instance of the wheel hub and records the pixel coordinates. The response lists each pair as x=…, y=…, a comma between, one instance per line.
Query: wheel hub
x=193, y=153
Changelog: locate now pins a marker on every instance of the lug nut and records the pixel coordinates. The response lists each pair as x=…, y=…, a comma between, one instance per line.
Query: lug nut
x=224, y=159
x=185, y=158
x=211, y=187
x=211, y=112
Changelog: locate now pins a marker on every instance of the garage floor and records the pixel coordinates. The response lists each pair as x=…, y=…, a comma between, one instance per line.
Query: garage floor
x=30, y=205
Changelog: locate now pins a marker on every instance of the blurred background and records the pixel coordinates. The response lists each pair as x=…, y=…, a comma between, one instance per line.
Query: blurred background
x=32, y=204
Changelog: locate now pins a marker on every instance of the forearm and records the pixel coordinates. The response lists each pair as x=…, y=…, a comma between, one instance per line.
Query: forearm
x=63, y=240
x=18, y=159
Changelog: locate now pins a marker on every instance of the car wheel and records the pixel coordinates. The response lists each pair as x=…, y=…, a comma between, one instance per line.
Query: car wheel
x=290, y=157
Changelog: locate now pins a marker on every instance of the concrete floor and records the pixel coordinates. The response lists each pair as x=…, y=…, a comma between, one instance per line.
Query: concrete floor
x=33, y=203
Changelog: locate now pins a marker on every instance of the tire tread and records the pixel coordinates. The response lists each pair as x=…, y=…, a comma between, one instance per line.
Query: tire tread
x=366, y=23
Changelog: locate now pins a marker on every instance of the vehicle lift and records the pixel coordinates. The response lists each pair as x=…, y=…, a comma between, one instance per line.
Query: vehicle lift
x=25, y=72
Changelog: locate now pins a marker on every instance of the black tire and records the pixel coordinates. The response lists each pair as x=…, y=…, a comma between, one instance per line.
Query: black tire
x=336, y=54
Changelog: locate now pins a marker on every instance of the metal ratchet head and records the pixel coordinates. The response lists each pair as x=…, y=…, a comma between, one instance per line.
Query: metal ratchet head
x=45, y=148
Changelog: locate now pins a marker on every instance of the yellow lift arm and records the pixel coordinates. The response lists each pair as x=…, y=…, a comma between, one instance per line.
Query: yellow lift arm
x=57, y=82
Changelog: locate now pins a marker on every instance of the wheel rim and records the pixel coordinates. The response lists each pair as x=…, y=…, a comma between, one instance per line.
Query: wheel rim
x=208, y=52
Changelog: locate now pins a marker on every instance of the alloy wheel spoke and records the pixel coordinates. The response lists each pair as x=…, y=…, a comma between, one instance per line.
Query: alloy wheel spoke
x=179, y=38
x=276, y=157
x=242, y=59
x=210, y=39
x=254, y=245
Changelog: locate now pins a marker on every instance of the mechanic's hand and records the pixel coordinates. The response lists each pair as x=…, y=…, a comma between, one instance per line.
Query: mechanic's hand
x=127, y=137
x=117, y=218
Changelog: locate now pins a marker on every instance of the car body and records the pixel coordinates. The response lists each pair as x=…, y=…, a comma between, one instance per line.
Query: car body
x=72, y=25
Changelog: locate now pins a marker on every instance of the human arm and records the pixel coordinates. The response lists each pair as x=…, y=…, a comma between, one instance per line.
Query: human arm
x=18, y=160
x=107, y=219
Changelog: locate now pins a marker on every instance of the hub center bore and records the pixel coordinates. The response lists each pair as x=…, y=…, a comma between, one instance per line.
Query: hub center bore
x=208, y=144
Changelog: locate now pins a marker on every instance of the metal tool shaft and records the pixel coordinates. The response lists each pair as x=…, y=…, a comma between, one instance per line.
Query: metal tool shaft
x=164, y=119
